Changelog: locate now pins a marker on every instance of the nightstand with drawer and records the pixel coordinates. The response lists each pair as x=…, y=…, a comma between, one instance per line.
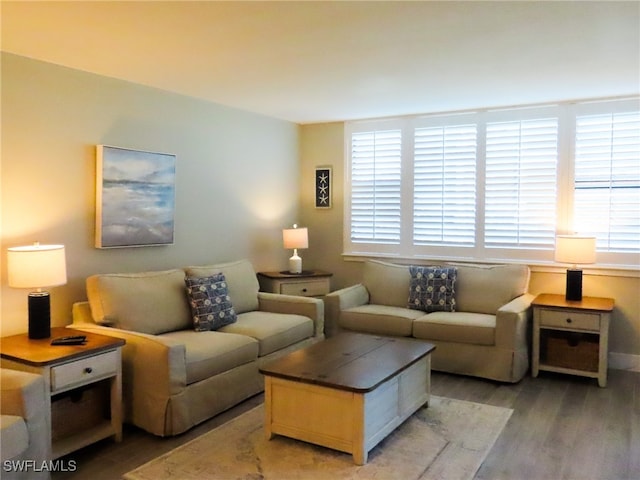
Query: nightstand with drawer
x=312, y=283
x=571, y=336
x=84, y=384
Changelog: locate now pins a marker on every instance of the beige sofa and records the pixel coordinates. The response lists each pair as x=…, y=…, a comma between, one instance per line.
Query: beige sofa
x=486, y=335
x=24, y=428
x=175, y=377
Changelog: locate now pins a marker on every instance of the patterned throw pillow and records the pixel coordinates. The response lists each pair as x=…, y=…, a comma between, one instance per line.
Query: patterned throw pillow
x=211, y=306
x=432, y=289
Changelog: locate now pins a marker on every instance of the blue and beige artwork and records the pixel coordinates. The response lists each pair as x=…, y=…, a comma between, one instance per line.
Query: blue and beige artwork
x=137, y=198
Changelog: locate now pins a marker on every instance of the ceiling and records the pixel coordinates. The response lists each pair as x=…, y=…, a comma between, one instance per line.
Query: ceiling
x=312, y=61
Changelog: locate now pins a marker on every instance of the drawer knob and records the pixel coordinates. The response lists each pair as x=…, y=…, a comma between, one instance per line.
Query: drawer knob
x=88, y=370
x=568, y=320
x=304, y=290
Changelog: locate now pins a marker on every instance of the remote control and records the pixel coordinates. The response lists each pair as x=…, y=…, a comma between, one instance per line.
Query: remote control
x=70, y=340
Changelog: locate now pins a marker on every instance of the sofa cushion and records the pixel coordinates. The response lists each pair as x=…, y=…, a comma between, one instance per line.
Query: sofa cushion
x=211, y=306
x=380, y=319
x=273, y=331
x=459, y=327
x=432, y=289
x=14, y=436
x=147, y=302
x=241, y=280
x=387, y=283
x=210, y=353
x=486, y=288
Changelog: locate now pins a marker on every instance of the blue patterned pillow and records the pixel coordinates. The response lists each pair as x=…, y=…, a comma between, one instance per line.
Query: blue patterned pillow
x=432, y=289
x=211, y=306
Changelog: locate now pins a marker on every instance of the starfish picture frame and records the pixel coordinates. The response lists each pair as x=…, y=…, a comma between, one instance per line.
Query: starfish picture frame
x=323, y=187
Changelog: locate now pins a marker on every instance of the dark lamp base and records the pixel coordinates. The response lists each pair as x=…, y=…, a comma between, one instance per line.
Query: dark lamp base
x=574, y=285
x=39, y=315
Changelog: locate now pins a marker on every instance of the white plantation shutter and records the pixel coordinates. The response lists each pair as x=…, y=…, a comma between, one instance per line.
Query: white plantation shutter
x=607, y=180
x=496, y=185
x=444, y=203
x=520, y=195
x=375, y=186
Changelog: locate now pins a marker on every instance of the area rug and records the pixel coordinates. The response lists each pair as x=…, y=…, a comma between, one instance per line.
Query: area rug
x=448, y=440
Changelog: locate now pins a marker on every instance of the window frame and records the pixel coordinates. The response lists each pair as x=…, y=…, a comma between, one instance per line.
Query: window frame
x=596, y=107
x=565, y=112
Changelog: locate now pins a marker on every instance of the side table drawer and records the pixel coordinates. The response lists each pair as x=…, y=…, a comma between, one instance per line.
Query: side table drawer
x=84, y=370
x=306, y=289
x=569, y=319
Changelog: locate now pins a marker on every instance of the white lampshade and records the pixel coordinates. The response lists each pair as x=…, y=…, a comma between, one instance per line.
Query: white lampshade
x=295, y=238
x=575, y=249
x=36, y=266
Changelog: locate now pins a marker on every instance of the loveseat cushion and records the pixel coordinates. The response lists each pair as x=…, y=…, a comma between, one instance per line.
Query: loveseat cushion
x=387, y=283
x=486, y=288
x=147, y=302
x=457, y=327
x=273, y=331
x=210, y=353
x=380, y=319
x=241, y=280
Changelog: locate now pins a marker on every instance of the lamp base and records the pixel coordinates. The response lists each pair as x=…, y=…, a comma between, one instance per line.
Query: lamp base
x=574, y=285
x=295, y=263
x=39, y=315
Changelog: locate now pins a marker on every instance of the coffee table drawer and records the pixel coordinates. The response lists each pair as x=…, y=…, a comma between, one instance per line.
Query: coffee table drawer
x=85, y=370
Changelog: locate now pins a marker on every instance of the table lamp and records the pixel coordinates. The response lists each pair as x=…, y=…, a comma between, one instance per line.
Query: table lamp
x=37, y=266
x=295, y=238
x=576, y=250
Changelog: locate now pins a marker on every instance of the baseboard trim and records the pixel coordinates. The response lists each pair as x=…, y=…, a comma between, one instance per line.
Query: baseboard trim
x=624, y=361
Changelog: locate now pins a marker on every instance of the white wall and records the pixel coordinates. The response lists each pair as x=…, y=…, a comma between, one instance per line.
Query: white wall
x=236, y=187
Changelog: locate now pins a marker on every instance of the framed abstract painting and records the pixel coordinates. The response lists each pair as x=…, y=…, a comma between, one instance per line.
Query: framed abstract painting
x=135, y=197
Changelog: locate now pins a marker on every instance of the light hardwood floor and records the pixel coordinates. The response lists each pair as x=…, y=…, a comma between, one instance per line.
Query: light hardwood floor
x=562, y=427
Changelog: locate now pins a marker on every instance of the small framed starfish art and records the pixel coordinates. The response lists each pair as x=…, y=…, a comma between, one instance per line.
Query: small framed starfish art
x=323, y=187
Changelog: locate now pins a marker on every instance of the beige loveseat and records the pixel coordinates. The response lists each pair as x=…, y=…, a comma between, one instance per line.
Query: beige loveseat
x=24, y=428
x=175, y=377
x=486, y=335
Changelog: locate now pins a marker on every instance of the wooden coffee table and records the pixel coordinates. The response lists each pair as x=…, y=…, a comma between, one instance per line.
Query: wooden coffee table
x=347, y=392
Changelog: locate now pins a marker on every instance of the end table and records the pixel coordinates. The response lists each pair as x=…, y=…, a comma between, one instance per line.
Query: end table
x=78, y=378
x=311, y=283
x=571, y=336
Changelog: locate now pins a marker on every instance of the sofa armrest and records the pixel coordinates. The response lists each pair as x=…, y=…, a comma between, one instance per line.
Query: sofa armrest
x=158, y=364
x=338, y=300
x=348, y=297
x=513, y=322
x=306, y=306
x=23, y=393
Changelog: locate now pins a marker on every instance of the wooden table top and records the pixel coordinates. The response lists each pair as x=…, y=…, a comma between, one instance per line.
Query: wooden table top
x=40, y=352
x=587, y=303
x=286, y=275
x=353, y=362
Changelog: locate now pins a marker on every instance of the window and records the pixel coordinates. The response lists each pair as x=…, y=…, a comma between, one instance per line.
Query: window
x=375, y=187
x=520, y=186
x=444, y=185
x=496, y=185
x=607, y=180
